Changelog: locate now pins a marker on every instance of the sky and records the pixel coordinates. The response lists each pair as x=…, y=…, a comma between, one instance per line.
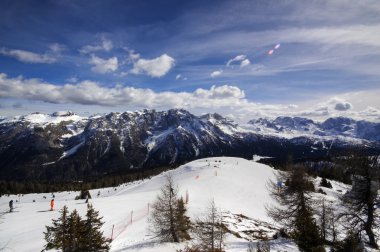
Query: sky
x=242, y=59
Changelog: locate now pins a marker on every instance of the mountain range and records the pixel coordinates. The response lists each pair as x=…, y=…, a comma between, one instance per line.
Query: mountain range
x=64, y=146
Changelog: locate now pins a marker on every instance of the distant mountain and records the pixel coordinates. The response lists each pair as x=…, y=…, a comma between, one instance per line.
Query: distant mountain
x=64, y=146
x=339, y=128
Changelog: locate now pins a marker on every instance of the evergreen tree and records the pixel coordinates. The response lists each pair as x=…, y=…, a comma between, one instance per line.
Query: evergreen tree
x=306, y=232
x=57, y=236
x=93, y=238
x=71, y=233
x=75, y=231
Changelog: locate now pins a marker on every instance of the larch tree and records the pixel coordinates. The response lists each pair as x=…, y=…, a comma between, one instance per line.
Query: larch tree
x=168, y=221
x=361, y=201
x=210, y=231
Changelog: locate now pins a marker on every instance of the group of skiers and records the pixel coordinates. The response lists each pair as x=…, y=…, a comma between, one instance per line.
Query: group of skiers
x=11, y=206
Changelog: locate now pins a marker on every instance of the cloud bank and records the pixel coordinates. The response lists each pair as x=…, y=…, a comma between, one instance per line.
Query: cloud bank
x=225, y=99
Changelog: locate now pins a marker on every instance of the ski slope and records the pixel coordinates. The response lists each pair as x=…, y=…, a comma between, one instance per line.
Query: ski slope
x=238, y=187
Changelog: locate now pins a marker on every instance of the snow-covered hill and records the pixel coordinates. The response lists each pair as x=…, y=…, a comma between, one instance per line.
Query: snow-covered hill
x=238, y=187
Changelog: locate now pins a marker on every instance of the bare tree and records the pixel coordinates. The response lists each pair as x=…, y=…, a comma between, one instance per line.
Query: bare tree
x=168, y=220
x=361, y=201
x=210, y=231
x=327, y=222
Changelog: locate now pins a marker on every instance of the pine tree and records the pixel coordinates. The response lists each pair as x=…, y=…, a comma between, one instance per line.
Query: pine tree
x=183, y=221
x=93, y=237
x=71, y=233
x=306, y=233
x=56, y=235
x=75, y=231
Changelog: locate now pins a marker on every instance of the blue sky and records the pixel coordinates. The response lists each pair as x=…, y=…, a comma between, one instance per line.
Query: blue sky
x=204, y=56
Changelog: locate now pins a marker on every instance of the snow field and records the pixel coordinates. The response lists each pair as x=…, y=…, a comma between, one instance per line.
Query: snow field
x=238, y=186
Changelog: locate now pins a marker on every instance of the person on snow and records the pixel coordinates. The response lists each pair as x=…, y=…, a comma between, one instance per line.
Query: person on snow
x=279, y=186
x=87, y=198
x=52, y=205
x=11, y=206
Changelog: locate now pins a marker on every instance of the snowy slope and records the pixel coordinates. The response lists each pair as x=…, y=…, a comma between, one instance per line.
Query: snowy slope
x=238, y=186
x=46, y=119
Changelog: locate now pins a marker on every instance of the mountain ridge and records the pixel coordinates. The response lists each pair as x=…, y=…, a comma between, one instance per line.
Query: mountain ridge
x=65, y=146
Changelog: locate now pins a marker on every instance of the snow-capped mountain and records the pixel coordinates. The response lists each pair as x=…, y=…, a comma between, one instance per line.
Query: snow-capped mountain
x=339, y=128
x=65, y=146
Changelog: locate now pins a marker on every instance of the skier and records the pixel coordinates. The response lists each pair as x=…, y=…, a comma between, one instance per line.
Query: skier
x=52, y=205
x=10, y=206
x=279, y=186
x=87, y=198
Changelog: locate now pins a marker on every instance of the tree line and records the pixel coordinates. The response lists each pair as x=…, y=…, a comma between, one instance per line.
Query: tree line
x=314, y=223
x=110, y=180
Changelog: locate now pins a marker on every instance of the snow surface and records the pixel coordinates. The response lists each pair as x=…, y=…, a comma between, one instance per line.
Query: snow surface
x=238, y=187
x=72, y=150
x=45, y=119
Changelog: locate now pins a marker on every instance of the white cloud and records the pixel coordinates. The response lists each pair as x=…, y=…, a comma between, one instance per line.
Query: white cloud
x=222, y=92
x=226, y=99
x=156, y=67
x=238, y=58
x=216, y=73
x=180, y=77
x=28, y=57
x=104, y=45
x=103, y=66
x=245, y=63
x=57, y=48
x=123, y=74
x=89, y=92
x=73, y=79
x=133, y=55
